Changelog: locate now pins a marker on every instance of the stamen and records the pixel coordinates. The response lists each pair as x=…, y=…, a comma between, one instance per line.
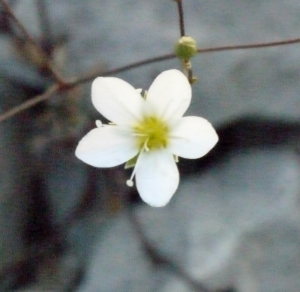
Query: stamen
x=130, y=182
x=139, y=135
x=146, y=146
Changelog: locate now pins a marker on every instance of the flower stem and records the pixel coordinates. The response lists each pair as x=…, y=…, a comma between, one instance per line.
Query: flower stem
x=181, y=17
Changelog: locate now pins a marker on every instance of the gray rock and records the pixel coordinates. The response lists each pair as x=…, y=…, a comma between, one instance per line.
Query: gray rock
x=268, y=258
x=230, y=84
x=118, y=262
x=205, y=223
x=66, y=182
x=202, y=227
x=12, y=185
x=218, y=206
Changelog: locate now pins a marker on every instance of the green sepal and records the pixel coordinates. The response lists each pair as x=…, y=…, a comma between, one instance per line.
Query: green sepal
x=132, y=162
x=176, y=158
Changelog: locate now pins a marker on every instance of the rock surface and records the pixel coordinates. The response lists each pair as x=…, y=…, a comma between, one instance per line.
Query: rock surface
x=269, y=257
x=235, y=223
x=12, y=181
x=230, y=84
x=204, y=228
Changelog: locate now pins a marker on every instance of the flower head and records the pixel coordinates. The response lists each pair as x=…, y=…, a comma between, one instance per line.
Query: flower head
x=148, y=132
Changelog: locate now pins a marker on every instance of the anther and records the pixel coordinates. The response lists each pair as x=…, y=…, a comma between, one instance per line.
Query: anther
x=130, y=183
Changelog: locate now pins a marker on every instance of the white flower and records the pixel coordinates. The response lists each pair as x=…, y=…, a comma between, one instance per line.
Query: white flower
x=148, y=133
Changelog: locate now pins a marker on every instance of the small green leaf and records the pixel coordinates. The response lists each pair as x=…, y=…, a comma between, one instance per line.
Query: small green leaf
x=131, y=163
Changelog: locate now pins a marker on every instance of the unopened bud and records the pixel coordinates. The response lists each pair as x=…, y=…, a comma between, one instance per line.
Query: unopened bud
x=186, y=48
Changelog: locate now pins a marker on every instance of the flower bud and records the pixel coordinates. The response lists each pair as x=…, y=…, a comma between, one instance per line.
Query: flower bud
x=186, y=48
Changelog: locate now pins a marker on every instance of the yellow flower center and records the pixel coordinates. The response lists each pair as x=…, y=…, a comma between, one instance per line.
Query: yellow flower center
x=152, y=133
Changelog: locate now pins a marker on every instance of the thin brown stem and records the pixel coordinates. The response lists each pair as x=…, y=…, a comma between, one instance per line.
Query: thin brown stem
x=190, y=76
x=182, y=33
x=69, y=85
x=166, y=57
x=30, y=103
x=30, y=39
x=90, y=77
x=181, y=17
x=250, y=46
x=45, y=25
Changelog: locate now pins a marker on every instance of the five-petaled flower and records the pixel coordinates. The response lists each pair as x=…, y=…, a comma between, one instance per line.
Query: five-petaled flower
x=148, y=132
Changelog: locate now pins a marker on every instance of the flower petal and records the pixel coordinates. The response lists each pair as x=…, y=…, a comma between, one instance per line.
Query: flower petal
x=117, y=100
x=157, y=177
x=169, y=96
x=193, y=137
x=107, y=146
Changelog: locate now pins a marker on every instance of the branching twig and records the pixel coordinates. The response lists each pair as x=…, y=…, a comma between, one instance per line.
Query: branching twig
x=69, y=85
x=63, y=85
x=30, y=39
x=166, y=57
x=30, y=103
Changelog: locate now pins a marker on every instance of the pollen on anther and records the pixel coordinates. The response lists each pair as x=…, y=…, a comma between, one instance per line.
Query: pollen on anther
x=129, y=183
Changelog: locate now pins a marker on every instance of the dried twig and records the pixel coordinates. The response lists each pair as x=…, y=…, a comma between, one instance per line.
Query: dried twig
x=30, y=103
x=30, y=39
x=87, y=78
x=181, y=18
x=250, y=46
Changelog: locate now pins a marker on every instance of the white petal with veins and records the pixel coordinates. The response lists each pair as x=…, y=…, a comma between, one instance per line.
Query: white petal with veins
x=148, y=132
x=169, y=96
x=117, y=100
x=192, y=138
x=107, y=146
x=157, y=177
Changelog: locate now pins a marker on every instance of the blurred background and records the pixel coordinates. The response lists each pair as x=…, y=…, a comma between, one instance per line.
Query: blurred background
x=234, y=223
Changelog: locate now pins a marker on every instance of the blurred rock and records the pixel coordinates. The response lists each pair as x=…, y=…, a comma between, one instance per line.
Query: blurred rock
x=213, y=216
x=269, y=258
x=118, y=262
x=56, y=274
x=24, y=75
x=12, y=186
x=230, y=84
x=17, y=82
x=219, y=205
x=203, y=225
x=66, y=182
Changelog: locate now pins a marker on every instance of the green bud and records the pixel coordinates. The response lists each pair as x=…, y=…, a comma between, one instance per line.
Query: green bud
x=186, y=48
x=132, y=162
